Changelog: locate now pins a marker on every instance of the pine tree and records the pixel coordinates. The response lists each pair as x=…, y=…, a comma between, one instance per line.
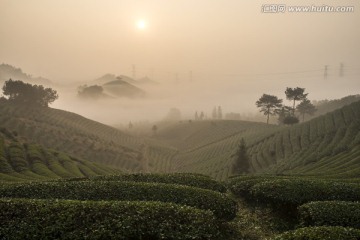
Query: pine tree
x=295, y=94
x=269, y=105
x=306, y=107
x=242, y=161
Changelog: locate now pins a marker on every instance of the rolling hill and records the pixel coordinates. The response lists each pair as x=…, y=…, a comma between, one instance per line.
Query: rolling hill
x=121, y=88
x=8, y=71
x=73, y=134
x=326, y=145
x=207, y=146
x=20, y=161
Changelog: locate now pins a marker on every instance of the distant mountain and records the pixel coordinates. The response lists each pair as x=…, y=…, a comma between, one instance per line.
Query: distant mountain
x=8, y=71
x=121, y=88
x=109, y=77
x=104, y=79
x=112, y=77
x=112, y=86
x=127, y=79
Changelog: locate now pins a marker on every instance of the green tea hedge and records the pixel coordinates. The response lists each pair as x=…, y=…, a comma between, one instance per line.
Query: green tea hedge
x=241, y=186
x=193, y=180
x=295, y=192
x=222, y=206
x=67, y=219
x=321, y=233
x=330, y=213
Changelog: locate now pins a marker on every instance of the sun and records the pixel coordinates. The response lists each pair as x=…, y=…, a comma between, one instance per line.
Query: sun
x=141, y=24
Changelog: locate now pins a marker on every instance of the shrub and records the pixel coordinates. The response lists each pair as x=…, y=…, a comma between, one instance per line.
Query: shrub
x=330, y=213
x=242, y=188
x=193, y=180
x=320, y=233
x=66, y=219
x=294, y=192
x=241, y=185
x=290, y=120
x=222, y=206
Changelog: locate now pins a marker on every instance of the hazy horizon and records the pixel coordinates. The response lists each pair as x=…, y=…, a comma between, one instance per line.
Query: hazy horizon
x=203, y=53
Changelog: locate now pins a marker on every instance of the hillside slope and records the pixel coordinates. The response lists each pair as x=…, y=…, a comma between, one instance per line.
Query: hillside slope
x=73, y=134
x=327, y=145
x=20, y=161
x=207, y=146
x=7, y=71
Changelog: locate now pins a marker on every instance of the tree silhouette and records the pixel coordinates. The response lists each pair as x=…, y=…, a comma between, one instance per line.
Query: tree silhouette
x=241, y=164
x=91, y=92
x=295, y=94
x=306, y=107
x=269, y=105
x=219, y=113
x=25, y=93
x=154, y=129
x=283, y=112
x=214, y=113
x=202, y=115
x=290, y=120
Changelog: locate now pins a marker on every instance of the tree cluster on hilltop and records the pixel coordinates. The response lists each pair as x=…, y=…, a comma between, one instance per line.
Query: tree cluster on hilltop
x=24, y=93
x=91, y=92
x=217, y=113
x=271, y=105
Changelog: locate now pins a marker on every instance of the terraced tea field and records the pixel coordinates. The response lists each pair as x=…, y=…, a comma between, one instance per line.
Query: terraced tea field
x=318, y=156
x=327, y=145
x=21, y=161
x=73, y=134
x=207, y=146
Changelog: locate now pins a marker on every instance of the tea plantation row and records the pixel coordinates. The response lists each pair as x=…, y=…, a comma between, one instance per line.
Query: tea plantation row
x=222, y=206
x=128, y=206
x=326, y=208
x=66, y=219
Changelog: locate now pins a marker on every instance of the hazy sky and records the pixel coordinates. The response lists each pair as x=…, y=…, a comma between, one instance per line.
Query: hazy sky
x=70, y=39
x=220, y=41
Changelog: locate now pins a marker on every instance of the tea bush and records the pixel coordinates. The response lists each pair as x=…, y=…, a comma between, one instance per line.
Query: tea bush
x=320, y=233
x=67, y=219
x=295, y=192
x=222, y=206
x=330, y=213
x=193, y=180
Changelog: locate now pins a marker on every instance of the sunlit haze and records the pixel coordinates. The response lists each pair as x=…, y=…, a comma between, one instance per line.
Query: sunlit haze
x=141, y=24
x=201, y=53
